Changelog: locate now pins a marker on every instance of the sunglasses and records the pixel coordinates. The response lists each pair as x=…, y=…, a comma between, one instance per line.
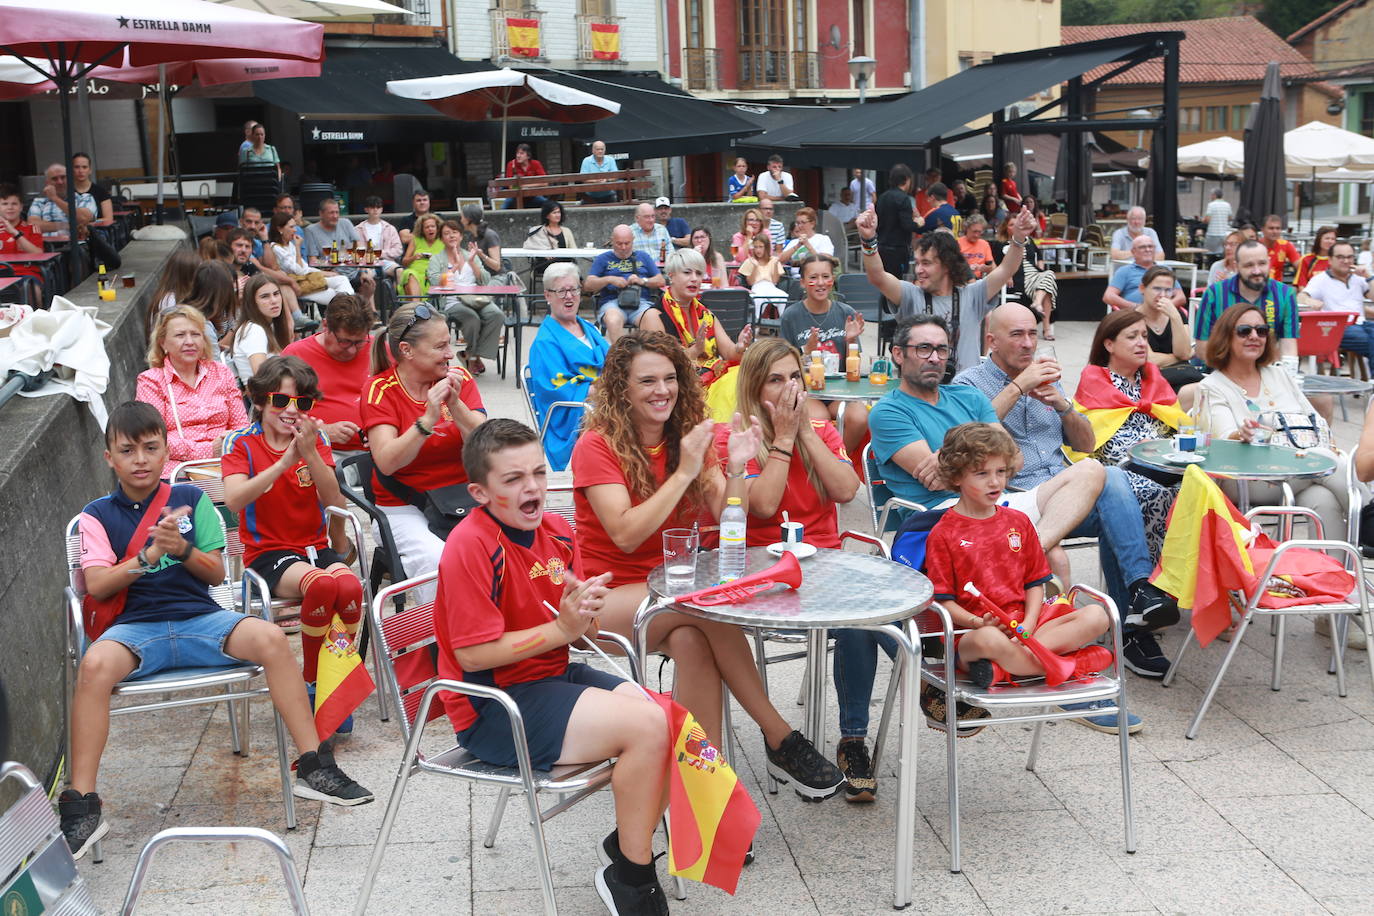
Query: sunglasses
x=1259, y=330
x=421, y=313
x=280, y=400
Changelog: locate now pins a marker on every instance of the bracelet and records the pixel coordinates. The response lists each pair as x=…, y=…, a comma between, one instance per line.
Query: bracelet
x=1068, y=406
x=187, y=555
x=420, y=427
x=145, y=565
x=780, y=451
x=1017, y=387
x=869, y=246
x=732, y=475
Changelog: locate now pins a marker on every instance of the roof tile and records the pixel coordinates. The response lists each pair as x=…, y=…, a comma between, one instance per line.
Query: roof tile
x=1233, y=49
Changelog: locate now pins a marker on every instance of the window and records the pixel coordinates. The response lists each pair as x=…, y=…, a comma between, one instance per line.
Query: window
x=1240, y=114
x=696, y=24
x=1367, y=113
x=1190, y=120
x=858, y=31
x=763, y=44
x=800, y=23
x=603, y=9
x=1216, y=118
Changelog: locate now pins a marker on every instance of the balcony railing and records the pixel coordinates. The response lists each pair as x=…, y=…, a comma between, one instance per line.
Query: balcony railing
x=500, y=37
x=586, y=49
x=699, y=69
x=779, y=69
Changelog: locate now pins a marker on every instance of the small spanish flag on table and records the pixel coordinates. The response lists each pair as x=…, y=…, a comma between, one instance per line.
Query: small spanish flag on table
x=711, y=818
x=342, y=682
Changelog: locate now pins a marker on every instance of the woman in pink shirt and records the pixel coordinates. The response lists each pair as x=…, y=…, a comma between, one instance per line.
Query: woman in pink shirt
x=197, y=396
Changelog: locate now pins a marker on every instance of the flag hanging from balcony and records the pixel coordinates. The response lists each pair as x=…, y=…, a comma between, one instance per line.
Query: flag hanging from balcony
x=523, y=37
x=605, y=41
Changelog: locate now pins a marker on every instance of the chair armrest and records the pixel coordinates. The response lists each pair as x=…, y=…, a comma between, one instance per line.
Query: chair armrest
x=76, y=625
x=852, y=535
x=895, y=502
x=624, y=645
x=1113, y=615
x=255, y=591
x=548, y=414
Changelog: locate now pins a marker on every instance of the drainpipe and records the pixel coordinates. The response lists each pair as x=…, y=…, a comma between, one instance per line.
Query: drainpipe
x=916, y=30
x=451, y=25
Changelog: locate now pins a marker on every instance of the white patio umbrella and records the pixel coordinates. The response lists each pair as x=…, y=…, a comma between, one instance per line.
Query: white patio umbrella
x=505, y=94
x=1315, y=151
x=1219, y=156
x=317, y=9
x=65, y=41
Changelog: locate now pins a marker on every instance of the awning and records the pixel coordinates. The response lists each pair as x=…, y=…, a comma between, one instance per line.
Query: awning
x=900, y=125
x=656, y=118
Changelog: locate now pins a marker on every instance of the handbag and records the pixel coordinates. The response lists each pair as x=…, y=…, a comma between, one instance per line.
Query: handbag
x=443, y=507
x=1303, y=431
x=98, y=613
x=312, y=282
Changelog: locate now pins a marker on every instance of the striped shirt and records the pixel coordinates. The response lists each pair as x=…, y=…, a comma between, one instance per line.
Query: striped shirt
x=1278, y=304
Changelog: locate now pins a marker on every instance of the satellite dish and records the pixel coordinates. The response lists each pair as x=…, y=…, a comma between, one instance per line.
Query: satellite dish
x=835, y=36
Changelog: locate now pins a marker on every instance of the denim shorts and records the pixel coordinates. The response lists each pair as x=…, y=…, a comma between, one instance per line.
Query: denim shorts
x=193, y=642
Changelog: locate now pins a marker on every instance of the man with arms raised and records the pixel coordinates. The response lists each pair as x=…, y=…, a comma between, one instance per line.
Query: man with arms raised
x=944, y=282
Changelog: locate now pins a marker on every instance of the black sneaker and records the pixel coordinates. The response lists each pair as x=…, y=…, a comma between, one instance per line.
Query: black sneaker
x=797, y=761
x=82, y=824
x=1151, y=608
x=320, y=779
x=622, y=899
x=609, y=851
x=854, y=762
x=932, y=703
x=1140, y=652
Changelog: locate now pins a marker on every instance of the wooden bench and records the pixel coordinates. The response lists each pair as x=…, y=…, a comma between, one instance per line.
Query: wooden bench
x=570, y=186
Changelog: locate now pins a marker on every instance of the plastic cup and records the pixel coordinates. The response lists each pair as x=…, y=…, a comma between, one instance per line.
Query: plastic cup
x=680, y=559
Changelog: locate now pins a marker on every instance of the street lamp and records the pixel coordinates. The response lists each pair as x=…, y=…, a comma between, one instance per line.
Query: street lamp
x=861, y=68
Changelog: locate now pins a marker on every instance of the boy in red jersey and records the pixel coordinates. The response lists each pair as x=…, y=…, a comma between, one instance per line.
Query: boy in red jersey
x=498, y=568
x=279, y=478
x=996, y=548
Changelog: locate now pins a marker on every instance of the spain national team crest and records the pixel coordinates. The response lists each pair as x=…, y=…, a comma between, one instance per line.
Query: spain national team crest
x=1014, y=540
x=303, y=478
x=698, y=751
x=554, y=570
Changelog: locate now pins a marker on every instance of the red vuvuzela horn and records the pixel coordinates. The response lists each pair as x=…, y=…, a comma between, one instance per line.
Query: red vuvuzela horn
x=786, y=571
x=1057, y=668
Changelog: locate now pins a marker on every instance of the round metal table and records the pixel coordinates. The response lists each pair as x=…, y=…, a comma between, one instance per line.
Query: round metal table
x=1334, y=384
x=840, y=589
x=1229, y=459
x=844, y=391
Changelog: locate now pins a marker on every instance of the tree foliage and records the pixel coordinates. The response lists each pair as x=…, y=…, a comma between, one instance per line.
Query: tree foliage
x=1283, y=16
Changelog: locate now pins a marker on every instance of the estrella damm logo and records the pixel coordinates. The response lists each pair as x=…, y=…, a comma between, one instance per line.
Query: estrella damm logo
x=554, y=570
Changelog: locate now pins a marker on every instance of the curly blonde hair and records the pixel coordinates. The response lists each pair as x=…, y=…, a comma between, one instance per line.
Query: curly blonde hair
x=156, y=354
x=609, y=416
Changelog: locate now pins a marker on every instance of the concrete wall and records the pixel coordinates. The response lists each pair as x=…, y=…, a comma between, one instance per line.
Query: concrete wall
x=51, y=466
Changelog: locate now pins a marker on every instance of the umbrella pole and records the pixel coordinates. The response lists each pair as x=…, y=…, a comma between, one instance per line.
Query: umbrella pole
x=176, y=157
x=501, y=165
x=161, y=139
x=64, y=87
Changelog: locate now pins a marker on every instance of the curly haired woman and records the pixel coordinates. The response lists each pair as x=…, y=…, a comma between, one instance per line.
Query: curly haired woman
x=641, y=466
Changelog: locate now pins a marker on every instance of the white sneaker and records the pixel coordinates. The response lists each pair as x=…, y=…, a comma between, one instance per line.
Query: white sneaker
x=1354, y=633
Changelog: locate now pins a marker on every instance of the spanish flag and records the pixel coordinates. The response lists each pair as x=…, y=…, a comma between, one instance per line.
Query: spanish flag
x=1205, y=554
x=523, y=37
x=711, y=818
x=342, y=682
x=1107, y=407
x=605, y=41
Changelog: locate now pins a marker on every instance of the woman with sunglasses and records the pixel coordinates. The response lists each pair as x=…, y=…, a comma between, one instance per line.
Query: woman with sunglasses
x=1249, y=388
x=416, y=411
x=279, y=479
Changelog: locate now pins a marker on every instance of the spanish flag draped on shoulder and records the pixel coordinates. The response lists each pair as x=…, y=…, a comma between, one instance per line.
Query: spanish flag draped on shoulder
x=341, y=683
x=1107, y=407
x=711, y=818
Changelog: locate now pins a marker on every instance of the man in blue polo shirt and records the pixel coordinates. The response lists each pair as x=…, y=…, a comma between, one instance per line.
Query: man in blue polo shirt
x=1123, y=292
x=623, y=281
x=1251, y=284
x=163, y=561
x=596, y=163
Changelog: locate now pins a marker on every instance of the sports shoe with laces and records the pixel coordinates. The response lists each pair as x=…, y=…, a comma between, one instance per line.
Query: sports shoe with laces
x=609, y=850
x=624, y=899
x=82, y=824
x=797, y=761
x=854, y=762
x=932, y=703
x=1108, y=722
x=1151, y=608
x=1140, y=652
x=319, y=778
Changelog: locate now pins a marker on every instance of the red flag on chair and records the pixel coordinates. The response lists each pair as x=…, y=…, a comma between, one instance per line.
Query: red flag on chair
x=711, y=818
x=341, y=683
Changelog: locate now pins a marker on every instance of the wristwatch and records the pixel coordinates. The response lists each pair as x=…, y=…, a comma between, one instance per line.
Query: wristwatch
x=1068, y=406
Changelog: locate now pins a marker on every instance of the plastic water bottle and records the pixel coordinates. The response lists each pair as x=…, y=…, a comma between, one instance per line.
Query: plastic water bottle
x=731, y=557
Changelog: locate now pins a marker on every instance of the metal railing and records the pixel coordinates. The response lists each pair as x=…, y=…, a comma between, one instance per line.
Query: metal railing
x=779, y=69
x=500, y=38
x=585, y=49
x=806, y=70
x=699, y=69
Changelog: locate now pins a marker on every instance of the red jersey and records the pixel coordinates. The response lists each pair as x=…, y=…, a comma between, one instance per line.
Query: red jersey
x=1008, y=189
x=341, y=383
x=489, y=585
x=440, y=460
x=530, y=168
x=1000, y=554
x=593, y=462
x=289, y=515
x=1281, y=253
x=9, y=244
x=799, y=498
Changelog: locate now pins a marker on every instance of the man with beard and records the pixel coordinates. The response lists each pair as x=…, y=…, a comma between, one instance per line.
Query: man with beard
x=1340, y=289
x=944, y=282
x=1274, y=300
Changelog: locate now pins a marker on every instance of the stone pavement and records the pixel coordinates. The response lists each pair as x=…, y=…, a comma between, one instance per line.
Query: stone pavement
x=1269, y=810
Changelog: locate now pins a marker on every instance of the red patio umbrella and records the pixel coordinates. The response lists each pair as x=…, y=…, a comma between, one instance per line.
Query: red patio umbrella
x=65, y=41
